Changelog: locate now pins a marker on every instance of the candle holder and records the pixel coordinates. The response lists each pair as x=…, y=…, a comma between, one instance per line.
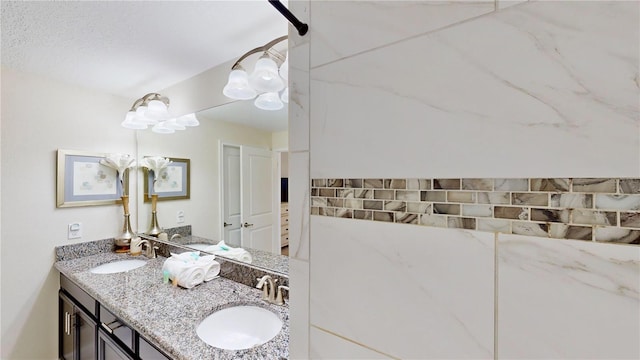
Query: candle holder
x=123, y=241
x=154, y=228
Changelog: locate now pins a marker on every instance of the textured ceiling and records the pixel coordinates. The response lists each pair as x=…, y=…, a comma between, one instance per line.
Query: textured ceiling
x=130, y=48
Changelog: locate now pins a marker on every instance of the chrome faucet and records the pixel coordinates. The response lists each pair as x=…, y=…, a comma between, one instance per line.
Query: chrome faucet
x=269, y=290
x=279, y=299
x=149, y=249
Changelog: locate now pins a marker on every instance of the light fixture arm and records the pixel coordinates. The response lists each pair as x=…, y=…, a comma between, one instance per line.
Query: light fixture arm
x=145, y=100
x=266, y=47
x=299, y=25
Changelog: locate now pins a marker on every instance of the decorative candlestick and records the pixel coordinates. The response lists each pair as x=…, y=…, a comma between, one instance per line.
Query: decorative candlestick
x=123, y=241
x=154, y=228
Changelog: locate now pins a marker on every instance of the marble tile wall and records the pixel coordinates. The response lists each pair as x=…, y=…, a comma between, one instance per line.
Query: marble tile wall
x=418, y=293
x=523, y=90
x=299, y=183
x=567, y=299
x=385, y=22
x=591, y=209
x=520, y=92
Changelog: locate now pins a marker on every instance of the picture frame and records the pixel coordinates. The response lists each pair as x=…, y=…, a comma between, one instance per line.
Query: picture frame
x=82, y=181
x=174, y=183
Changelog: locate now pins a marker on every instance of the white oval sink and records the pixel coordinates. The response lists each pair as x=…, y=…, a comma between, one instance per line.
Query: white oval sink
x=118, y=266
x=239, y=327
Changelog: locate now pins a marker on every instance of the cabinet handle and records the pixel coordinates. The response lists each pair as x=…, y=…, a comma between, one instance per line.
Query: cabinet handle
x=110, y=326
x=67, y=323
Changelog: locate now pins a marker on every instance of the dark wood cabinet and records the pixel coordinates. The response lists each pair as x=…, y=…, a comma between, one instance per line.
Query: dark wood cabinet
x=109, y=349
x=77, y=339
x=146, y=351
x=89, y=331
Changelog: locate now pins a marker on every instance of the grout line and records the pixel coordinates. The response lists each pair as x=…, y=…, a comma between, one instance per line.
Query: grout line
x=495, y=297
x=355, y=342
x=412, y=37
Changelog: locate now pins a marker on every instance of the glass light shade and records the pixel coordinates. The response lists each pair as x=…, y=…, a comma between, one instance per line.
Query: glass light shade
x=141, y=110
x=188, y=120
x=265, y=76
x=269, y=101
x=162, y=128
x=238, y=86
x=157, y=111
x=130, y=123
x=140, y=118
x=173, y=124
x=285, y=95
x=284, y=68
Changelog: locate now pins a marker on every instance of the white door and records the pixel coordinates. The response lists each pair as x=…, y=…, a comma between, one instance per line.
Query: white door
x=231, y=192
x=258, y=203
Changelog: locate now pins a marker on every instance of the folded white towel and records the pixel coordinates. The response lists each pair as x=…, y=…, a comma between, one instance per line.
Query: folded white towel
x=191, y=269
x=211, y=267
x=187, y=275
x=227, y=251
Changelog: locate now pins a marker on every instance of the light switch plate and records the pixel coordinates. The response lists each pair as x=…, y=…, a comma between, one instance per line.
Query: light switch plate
x=74, y=230
x=180, y=217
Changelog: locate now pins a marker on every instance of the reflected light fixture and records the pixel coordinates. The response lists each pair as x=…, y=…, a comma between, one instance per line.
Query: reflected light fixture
x=267, y=82
x=152, y=110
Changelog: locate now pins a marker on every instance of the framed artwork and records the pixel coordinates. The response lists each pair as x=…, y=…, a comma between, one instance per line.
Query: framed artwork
x=82, y=181
x=172, y=183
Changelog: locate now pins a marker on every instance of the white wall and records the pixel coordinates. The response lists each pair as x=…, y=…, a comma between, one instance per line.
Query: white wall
x=200, y=145
x=40, y=116
x=280, y=140
x=456, y=89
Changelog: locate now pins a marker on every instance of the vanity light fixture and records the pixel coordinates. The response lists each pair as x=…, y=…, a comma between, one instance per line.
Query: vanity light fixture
x=152, y=110
x=267, y=79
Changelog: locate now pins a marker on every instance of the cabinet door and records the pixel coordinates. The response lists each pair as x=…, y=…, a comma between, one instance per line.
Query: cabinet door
x=77, y=331
x=149, y=352
x=66, y=335
x=109, y=349
x=86, y=331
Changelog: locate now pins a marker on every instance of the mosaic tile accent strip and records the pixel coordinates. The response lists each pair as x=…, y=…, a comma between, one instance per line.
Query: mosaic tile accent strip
x=591, y=209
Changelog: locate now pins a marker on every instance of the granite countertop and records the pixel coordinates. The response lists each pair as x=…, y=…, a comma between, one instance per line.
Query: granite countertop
x=168, y=315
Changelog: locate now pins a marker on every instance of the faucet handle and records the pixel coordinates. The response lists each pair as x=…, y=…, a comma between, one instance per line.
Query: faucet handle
x=279, y=300
x=149, y=249
x=265, y=287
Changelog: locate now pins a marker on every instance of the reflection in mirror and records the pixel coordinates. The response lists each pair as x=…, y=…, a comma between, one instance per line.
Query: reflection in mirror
x=237, y=165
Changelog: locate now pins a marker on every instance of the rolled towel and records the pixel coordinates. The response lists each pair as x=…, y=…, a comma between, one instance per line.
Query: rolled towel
x=187, y=256
x=227, y=251
x=211, y=267
x=187, y=274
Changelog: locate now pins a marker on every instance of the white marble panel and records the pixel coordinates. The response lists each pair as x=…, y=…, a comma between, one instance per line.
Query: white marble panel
x=328, y=346
x=503, y=4
x=567, y=299
x=524, y=92
x=300, y=9
x=342, y=28
x=299, y=98
x=299, y=309
x=406, y=291
x=299, y=207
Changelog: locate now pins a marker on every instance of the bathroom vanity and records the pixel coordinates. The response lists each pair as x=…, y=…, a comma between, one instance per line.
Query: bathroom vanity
x=134, y=315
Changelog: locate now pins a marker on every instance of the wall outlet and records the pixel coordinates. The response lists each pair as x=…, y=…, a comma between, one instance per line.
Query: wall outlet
x=74, y=230
x=180, y=217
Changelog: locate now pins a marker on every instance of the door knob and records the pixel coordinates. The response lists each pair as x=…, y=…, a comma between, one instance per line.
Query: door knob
x=227, y=224
x=246, y=224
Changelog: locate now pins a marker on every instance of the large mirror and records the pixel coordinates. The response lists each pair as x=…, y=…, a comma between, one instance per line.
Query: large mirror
x=237, y=183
